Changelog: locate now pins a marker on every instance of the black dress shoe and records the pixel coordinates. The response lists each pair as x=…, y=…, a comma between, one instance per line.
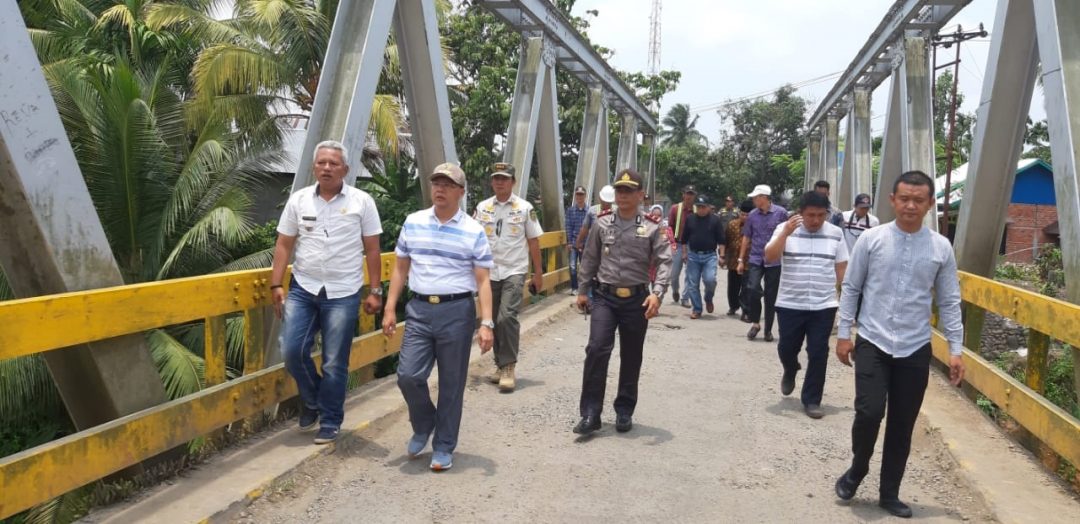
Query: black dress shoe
x=846, y=486
x=768, y=337
x=623, y=423
x=752, y=334
x=895, y=508
x=787, y=383
x=587, y=425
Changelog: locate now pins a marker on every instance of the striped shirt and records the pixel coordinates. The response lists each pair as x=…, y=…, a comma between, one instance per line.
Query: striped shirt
x=899, y=275
x=443, y=256
x=808, y=281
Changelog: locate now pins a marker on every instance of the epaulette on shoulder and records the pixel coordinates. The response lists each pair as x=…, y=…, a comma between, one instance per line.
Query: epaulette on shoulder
x=654, y=220
x=604, y=213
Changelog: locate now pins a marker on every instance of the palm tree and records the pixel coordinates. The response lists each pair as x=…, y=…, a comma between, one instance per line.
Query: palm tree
x=679, y=128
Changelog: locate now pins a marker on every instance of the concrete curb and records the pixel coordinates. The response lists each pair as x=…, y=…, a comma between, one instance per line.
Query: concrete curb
x=231, y=481
x=1012, y=482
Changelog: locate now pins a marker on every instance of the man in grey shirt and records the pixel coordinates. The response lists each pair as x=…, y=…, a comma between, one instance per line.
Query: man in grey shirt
x=898, y=269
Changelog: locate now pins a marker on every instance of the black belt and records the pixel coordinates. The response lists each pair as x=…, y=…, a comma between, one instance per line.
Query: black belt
x=622, y=291
x=439, y=299
x=706, y=252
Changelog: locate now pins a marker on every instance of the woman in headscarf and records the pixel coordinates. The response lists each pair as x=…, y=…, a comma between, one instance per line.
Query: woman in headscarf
x=657, y=211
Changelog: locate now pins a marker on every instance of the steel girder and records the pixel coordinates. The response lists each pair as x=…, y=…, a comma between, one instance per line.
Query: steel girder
x=589, y=161
x=829, y=151
x=841, y=192
x=889, y=166
x=1002, y=115
x=627, y=156
x=572, y=51
x=872, y=65
x=813, y=160
x=1057, y=24
x=916, y=115
x=859, y=148
x=534, y=127
x=649, y=143
x=350, y=75
x=52, y=241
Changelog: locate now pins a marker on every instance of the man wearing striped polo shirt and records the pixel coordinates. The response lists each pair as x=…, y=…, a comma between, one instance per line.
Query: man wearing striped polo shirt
x=447, y=259
x=814, y=258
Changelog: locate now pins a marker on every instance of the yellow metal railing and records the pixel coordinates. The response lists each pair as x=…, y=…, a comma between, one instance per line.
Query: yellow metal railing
x=41, y=324
x=1046, y=318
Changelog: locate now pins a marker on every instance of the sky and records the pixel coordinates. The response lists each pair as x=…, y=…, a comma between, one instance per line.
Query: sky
x=728, y=49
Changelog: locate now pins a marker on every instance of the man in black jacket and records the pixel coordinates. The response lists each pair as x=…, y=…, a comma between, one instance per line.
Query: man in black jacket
x=703, y=247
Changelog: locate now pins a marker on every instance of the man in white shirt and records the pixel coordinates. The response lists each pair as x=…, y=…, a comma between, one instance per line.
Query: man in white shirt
x=333, y=229
x=855, y=222
x=514, y=234
x=814, y=257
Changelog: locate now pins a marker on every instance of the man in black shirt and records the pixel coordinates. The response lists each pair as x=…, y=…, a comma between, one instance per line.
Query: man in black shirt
x=703, y=246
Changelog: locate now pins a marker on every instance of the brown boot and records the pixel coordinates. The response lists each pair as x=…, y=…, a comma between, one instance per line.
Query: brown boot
x=506, y=383
x=496, y=376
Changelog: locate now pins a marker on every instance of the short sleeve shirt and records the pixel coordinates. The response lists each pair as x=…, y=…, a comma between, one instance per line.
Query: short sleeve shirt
x=759, y=228
x=330, y=238
x=808, y=282
x=443, y=256
x=508, y=226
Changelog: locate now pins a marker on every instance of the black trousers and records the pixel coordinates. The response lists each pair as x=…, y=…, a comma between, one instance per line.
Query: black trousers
x=608, y=314
x=890, y=388
x=754, y=277
x=814, y=326
x=735, y=290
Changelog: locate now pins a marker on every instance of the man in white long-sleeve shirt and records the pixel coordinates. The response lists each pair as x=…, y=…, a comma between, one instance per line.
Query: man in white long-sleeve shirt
x=898, y=269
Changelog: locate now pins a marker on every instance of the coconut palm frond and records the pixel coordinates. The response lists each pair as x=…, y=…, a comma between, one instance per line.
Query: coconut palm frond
x=26, y=388
x=222, y=227
x=257, y=260
x=194, y=22
x=181, y=371
x=65, y=508
x=232, y=68
x=386, y=119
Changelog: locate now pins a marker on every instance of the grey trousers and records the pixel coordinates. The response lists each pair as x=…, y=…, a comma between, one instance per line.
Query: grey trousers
x=506, y=302
x=436, y=333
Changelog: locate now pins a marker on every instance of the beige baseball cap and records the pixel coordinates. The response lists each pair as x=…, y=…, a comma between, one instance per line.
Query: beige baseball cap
x=449, y=170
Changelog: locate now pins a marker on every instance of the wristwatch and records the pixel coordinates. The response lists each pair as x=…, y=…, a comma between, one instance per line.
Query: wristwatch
x=490, y=324
x=377, y=291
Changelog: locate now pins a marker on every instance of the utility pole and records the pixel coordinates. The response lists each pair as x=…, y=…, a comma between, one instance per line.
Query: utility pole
x=948, y=41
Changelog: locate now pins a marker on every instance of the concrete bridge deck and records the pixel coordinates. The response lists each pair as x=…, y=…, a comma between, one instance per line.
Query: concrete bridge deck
x=714, y=441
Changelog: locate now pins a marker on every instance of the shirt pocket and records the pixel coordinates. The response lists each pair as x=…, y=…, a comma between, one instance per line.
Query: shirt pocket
x=309, y=225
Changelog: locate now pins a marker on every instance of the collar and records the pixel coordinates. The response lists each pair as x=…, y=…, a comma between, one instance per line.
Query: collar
x=344, y=190
x=456, y=218
x=495, y=200
x=896, y=229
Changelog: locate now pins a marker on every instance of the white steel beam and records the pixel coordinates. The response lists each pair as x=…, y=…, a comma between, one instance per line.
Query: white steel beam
x=627, y=152
x=525, y=111
x=841, y=193
x=916, y=116
x=867, y=68
x=52, y=241
x=829, y=151
x=813, y=160
x=889, y=166
x=649, y=143
x=574, y=52
x=350, y=74
x=859, y=147
x=420, y=52
x=1002, y=115
x=549, y=156
x=590, y=136
x=603, y=153
x=1057, y=24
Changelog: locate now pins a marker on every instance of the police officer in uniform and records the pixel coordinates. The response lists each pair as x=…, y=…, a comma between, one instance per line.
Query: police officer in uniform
x=615, y=265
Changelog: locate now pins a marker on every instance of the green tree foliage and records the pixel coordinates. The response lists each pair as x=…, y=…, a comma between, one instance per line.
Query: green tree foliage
x=680, y=128
x=757, y=132
x=1037, y=141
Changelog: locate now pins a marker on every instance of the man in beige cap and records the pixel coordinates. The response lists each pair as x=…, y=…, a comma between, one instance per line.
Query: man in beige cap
x=514, y=234
x=447, y=259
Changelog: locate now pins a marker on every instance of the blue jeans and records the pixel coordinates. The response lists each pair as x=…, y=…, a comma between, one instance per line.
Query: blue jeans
x=700, y=266
x=677, y=270
x=306, y=314
x=574, y=255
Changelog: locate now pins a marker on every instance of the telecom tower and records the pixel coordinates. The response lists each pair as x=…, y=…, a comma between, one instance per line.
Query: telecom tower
x=654, y=39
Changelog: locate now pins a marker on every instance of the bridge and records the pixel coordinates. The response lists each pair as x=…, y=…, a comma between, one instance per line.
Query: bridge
x=89, y=328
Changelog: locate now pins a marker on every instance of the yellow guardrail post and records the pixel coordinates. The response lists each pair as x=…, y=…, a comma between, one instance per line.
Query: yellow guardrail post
x=1037, y=360
x=214, y=350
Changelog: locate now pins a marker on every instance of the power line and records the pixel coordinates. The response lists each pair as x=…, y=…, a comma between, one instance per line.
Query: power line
x=763, y=94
